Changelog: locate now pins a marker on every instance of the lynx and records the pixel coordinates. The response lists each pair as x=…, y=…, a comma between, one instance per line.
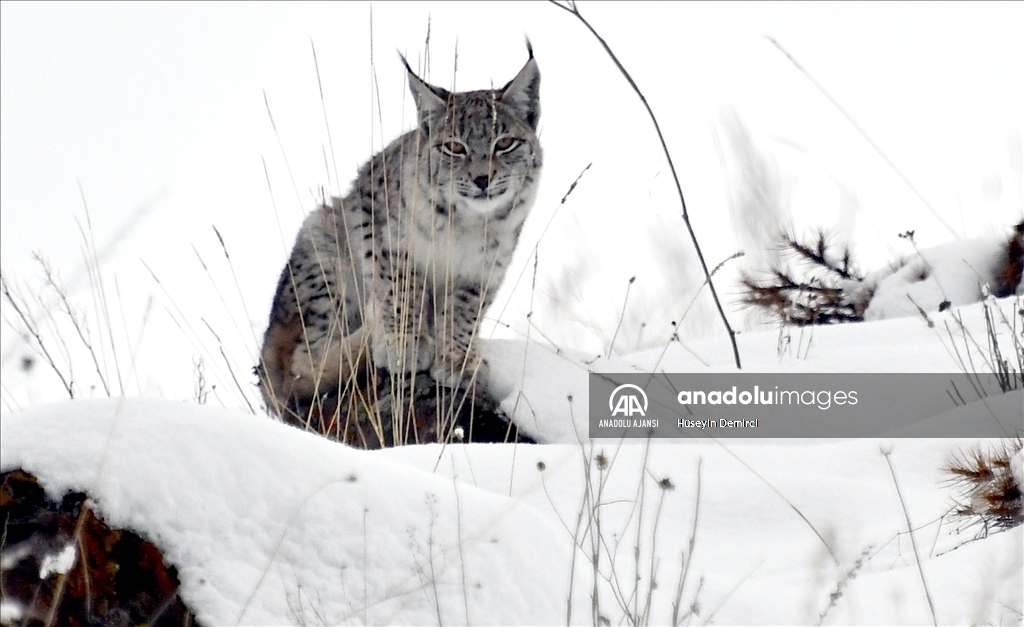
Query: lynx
x=399, y=272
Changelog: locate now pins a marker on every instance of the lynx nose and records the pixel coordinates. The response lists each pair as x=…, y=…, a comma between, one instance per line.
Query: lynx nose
x=482, y=182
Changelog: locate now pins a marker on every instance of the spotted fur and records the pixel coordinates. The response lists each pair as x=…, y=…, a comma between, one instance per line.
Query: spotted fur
x=401, y=270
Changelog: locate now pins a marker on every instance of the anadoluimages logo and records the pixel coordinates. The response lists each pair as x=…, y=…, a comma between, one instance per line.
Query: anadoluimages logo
x=628, y=403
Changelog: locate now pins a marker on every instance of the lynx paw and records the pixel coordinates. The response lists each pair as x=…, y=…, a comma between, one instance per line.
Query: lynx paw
x=454, y=370
x=402, y=354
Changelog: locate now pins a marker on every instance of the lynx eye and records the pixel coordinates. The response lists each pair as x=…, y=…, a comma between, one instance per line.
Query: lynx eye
x=505, y=144
x=453, y=148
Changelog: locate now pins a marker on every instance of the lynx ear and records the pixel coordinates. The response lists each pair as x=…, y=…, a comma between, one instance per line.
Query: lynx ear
x=522, y=94
x=431, y=102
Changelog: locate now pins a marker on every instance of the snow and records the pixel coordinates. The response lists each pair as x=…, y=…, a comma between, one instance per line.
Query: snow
x=540, y=403
x=959, y=273
x=265, y=522
x=268, y=525
x=58, y=563
x=10, y=612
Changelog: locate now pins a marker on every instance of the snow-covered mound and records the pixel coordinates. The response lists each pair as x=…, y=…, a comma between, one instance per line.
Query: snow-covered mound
x=546, y=389
x=270, y=525
x=957, y=273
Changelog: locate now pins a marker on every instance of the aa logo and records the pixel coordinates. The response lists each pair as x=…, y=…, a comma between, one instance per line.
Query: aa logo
x=625, y=402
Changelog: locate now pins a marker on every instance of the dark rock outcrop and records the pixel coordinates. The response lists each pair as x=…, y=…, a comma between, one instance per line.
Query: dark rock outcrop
x=64, y=566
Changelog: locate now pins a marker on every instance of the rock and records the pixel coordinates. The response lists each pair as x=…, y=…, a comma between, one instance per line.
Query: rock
x=64, y=566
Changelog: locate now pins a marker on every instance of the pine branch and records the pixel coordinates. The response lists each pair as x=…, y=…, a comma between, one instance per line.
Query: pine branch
x=820, y=288
x=990, y=496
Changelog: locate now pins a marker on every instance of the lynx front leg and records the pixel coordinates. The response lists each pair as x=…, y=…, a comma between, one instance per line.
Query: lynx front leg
x=455, y=336
x=399, y=343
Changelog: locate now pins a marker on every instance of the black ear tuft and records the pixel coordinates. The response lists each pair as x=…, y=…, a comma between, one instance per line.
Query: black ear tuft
x=522, y=93
x=431, y=102
x=405, y=63
x=529, y=47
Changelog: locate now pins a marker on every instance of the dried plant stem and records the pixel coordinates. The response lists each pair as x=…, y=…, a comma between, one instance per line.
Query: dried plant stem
x=572, y=9
x=622, y=316
x=58, y=593
x=327, y=124
x=910, y=532
x=792, y=506
x=33, y=330
x=688, y=558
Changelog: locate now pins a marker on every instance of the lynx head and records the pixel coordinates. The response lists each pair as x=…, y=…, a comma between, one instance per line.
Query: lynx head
x=480, y=148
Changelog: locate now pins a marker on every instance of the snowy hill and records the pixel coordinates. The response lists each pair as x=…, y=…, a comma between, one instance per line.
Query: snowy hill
x=270, y=525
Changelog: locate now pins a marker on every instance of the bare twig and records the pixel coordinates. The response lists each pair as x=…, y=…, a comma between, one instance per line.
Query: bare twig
x=323, y=105
x=792, y=506
x=33, y=330
x=284, y=154
x=78, y=325
x=622, y=315
x=572, y=9
x=688, y=558
x=910, y=531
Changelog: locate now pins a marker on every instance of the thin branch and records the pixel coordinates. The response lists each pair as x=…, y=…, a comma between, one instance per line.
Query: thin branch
x=16, y=304
x=910, y=532
x=572, y=9
x=792, y=506
x=323, y=105
x=625, y=301
x=688, y=558
x=284, y=154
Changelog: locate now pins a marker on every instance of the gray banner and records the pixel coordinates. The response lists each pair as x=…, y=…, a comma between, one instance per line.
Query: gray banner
x=749, y=405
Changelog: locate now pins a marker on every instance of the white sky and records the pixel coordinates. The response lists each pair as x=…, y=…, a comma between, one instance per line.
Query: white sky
x=150, y=101
x=158, y=111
